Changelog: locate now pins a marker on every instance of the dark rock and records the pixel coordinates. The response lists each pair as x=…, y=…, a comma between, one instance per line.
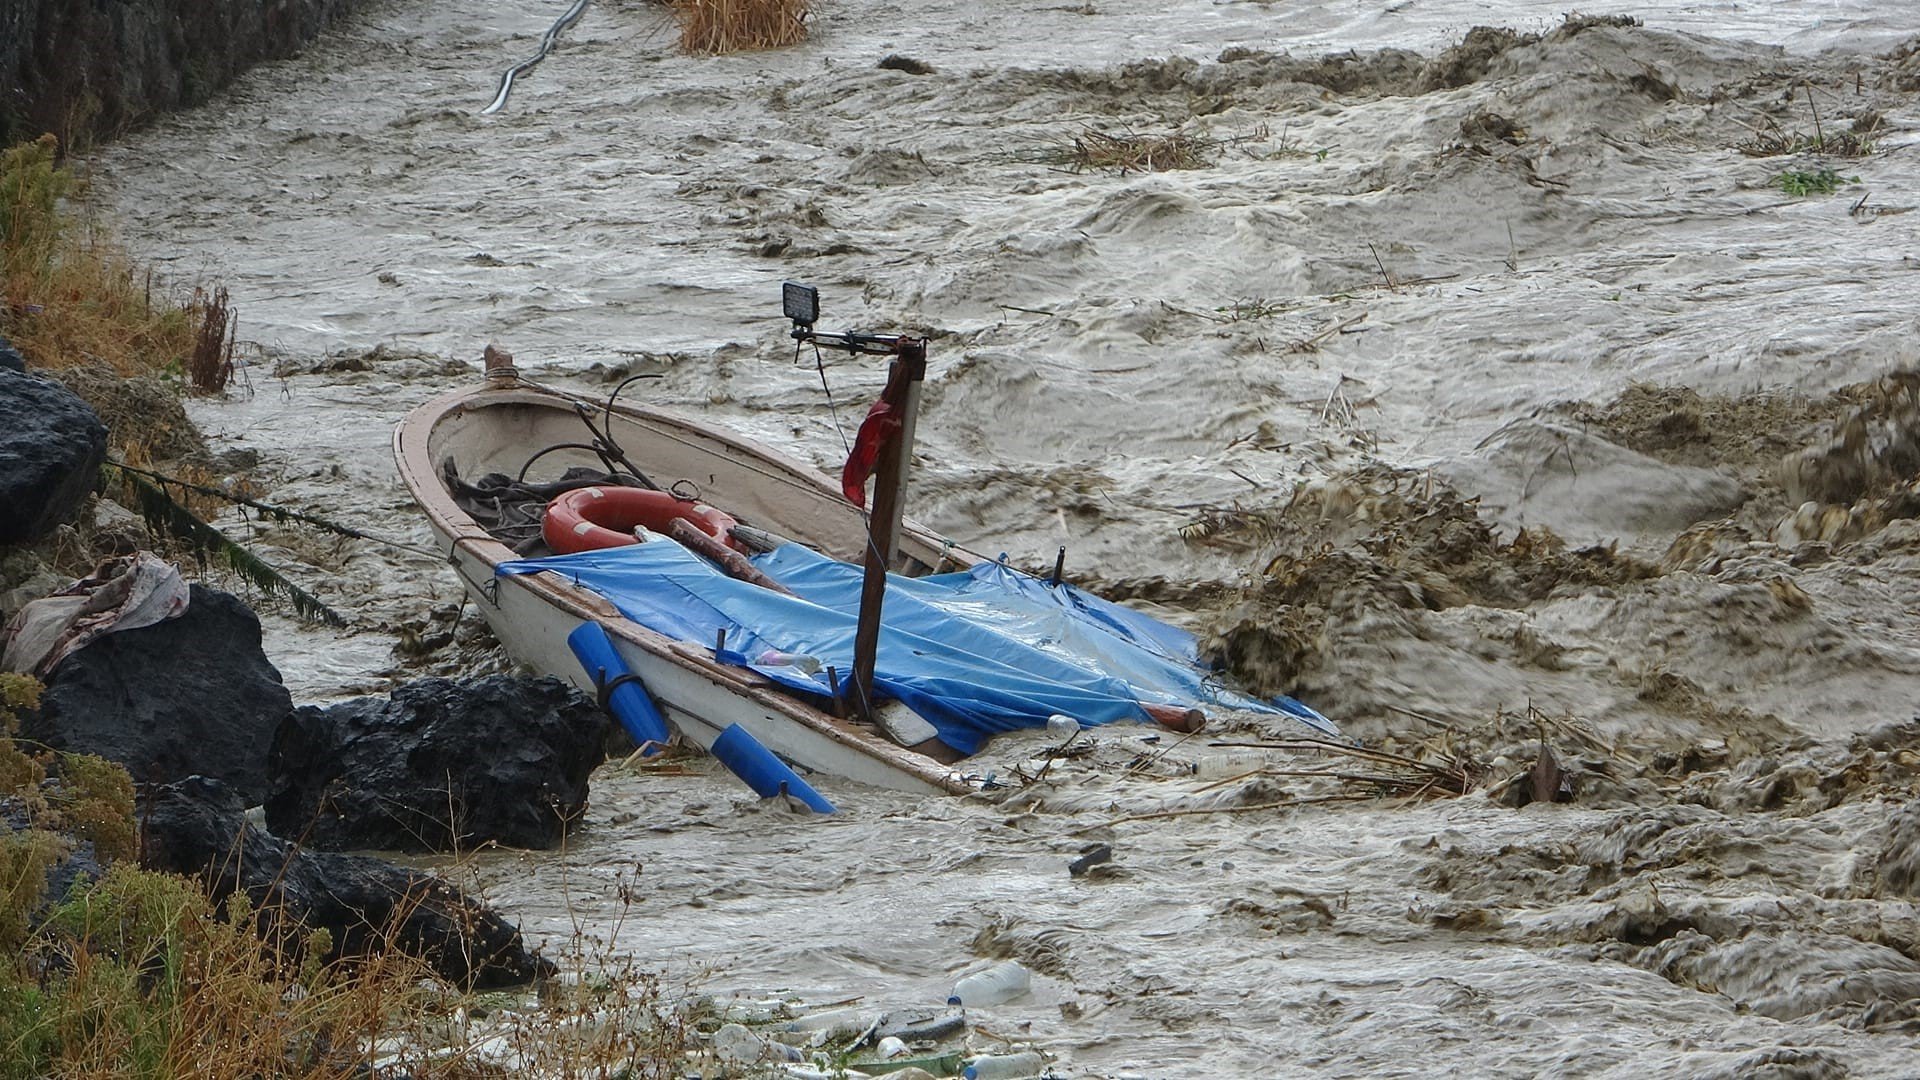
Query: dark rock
x=194, y=695
x=438, y=766
x=10, y=357
x=1090, y=856
x=51, y=448
x=198, y=827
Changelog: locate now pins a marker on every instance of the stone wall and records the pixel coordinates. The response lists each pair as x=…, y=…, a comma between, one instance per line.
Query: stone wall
x=94, y=68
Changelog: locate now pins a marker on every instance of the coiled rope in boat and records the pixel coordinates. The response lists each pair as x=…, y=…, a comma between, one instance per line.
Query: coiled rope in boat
x=547, y=41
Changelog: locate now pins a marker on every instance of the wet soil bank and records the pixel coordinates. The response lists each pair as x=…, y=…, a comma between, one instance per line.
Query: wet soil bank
x=86, y=70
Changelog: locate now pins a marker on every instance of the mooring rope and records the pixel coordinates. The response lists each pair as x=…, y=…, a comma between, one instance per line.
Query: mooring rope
x=547, y=42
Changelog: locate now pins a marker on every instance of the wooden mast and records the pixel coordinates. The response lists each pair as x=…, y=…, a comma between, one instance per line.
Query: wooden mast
x=883, y=526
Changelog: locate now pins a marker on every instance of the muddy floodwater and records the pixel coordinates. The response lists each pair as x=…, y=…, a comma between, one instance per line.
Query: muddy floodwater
x=1484, y=389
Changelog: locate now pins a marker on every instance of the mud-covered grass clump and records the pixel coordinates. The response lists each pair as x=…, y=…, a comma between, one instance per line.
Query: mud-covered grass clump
x=716, y=27
x=1681, y=426
x=1429, y=551
x=1775, y=142
x=1769, y=139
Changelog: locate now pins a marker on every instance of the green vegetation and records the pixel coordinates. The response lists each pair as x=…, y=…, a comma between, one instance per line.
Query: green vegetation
x=135, y=974
x=75, y=301
x=1821, y=181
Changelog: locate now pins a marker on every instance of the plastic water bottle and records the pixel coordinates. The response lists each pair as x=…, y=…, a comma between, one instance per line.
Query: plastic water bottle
x=1061, y=726
x=804, y=663
x=736, y=1042
x=1231, y=763
x=836, y=1023
x=1004, y=1066
x=1003, y=981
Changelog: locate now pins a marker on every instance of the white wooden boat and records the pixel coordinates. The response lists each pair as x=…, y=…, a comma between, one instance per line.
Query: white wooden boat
x=497, y=427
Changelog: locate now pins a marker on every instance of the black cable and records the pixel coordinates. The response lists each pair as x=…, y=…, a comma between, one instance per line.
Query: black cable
x=594, y=450
x=820, y=365
x=628, y=382
x=607, y=447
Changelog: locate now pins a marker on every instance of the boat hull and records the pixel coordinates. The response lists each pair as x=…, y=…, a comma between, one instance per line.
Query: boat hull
x=532, y=614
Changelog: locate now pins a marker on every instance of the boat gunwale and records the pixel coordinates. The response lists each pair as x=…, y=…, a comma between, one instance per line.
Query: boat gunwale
x=422, y=477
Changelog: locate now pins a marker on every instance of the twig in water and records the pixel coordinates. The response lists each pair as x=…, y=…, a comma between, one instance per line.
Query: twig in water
x=1422, y=717
x=1312, y=344
x=1195, y=810
x=1168, y=749
x=1377, y=261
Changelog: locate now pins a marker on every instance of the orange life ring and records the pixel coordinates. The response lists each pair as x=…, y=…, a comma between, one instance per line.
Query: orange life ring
x=590, y=518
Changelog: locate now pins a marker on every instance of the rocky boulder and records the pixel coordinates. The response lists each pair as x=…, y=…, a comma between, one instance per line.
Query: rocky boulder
x=10, y=357
x=198, y=827
x=437, y=766
x=194, y=695
x=51, y=448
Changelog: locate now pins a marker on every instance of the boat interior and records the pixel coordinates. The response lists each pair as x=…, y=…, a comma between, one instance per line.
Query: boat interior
x=508, y=451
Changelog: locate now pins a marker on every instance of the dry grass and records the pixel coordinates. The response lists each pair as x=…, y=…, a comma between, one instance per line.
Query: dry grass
x=210, y=367
x=72, y=295
x=1131, y=152
x=139, y=974
x=715, y=27
x=1771, y=140
x=1774, y=141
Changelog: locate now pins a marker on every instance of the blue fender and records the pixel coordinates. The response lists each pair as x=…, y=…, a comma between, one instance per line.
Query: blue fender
x=767, y=775
x=629, y=702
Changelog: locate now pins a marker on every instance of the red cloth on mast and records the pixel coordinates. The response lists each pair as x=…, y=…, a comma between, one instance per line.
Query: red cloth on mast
x=880, y=427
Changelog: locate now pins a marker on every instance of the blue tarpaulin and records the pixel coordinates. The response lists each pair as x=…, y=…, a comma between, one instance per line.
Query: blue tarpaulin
x=975, y=652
